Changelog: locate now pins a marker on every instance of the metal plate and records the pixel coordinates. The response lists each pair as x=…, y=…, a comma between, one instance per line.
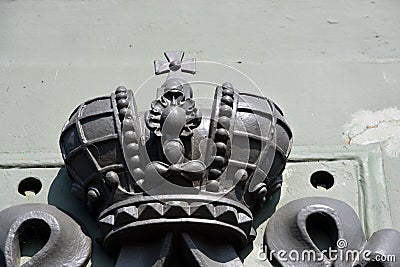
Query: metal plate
x=357, y=172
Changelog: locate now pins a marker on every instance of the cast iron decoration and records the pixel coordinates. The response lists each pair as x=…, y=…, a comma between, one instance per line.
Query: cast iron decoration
x=179, y=185
x=166, y=182
x=64, y=243
x=290, y=230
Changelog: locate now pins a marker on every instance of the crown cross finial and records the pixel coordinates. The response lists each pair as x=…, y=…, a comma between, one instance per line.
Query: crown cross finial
x=174, y=64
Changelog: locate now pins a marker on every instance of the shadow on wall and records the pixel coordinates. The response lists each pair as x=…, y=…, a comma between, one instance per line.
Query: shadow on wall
x=61, y=197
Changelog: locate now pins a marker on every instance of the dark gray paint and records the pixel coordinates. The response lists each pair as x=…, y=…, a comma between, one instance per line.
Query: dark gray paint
x=154, y=177
x=297, y=227
x=67, y=244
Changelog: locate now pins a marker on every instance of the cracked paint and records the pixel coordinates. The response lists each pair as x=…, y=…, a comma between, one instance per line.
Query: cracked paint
x=382, y=126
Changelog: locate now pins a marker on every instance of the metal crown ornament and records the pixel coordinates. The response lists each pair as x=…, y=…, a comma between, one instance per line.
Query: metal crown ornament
x=171, y=175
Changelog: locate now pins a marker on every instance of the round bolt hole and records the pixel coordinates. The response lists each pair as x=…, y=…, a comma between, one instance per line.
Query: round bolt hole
x=29, y=186
x=322, y=180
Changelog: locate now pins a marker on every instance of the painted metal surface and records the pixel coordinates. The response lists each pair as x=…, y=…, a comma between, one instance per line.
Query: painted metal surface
x=304, y=220
x=58, y=239
x=351, y=167
x=323, y=62
x=186, y=173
